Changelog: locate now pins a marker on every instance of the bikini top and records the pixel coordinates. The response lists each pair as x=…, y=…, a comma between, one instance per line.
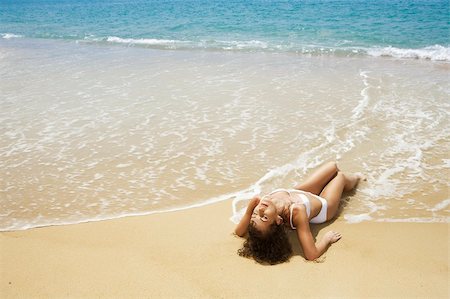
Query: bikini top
x=301, y=199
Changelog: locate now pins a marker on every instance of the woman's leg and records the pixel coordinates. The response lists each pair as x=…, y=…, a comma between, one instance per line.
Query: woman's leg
x=334, y=189
x=319, y=179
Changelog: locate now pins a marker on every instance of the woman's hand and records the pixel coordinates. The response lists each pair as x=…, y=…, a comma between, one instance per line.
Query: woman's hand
x=252, y=204
x=332, y=237
x=241, y=228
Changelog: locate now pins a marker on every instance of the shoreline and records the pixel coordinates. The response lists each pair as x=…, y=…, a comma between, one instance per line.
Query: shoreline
x=435, y=53
x=192, y=254
x=208, y=202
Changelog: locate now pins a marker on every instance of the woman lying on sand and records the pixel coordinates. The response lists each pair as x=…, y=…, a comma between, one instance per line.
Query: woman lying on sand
x=266, y=219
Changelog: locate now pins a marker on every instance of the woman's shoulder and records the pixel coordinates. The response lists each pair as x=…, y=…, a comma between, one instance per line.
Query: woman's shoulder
x=298, y=213
x=297, y=210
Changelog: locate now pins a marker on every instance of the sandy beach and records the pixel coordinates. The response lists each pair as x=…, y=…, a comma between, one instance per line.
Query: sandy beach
x=192, y=254
x=134, y=133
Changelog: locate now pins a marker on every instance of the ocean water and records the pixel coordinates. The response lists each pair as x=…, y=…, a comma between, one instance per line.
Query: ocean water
x=118, y=108
x=418, y=29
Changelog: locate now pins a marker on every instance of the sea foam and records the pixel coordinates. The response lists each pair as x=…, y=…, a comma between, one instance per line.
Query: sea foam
x=434, y=53
x=143, y=41
x=10, y=35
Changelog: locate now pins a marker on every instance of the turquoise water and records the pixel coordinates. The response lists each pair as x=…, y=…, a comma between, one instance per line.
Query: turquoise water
x=380, y=28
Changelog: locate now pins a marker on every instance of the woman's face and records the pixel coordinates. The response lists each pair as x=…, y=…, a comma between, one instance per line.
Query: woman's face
x=264, y=215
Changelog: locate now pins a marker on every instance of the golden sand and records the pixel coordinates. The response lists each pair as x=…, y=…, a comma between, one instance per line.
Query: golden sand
x=192, y=254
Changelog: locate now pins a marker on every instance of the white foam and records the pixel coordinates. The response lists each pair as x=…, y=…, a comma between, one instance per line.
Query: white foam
x=362, y=104
x=435, y=53
x=384, y=185
x=10, y=35
x=353, y=218
x=440, y=206
x=416, y=219
x=98, y=176
x=446, y=163
x=123, y=165
x=39, y=221
x=143, y=41
x=252, y=44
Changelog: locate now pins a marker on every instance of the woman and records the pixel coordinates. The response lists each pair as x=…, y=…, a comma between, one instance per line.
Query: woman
x=314, y=201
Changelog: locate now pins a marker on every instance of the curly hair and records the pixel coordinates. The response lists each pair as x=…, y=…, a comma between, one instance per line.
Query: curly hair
x=272, y=248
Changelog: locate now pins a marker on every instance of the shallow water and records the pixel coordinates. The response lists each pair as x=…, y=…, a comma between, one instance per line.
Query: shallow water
x=91, y=132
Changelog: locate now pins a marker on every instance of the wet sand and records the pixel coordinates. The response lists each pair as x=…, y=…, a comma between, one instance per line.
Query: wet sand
x=192, y=254
x=94, y=132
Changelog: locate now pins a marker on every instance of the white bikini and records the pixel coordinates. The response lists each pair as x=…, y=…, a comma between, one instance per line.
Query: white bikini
x=304, y=200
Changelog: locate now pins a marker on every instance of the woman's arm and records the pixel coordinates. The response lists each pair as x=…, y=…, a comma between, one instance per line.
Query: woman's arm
x=310, y=248
x=241, y=228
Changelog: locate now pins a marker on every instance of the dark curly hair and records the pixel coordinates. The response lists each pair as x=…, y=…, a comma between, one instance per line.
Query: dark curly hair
x=272, y=247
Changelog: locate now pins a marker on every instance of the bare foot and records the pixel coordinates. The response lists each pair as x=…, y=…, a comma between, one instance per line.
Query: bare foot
x=351, y=180
x=361, y=176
